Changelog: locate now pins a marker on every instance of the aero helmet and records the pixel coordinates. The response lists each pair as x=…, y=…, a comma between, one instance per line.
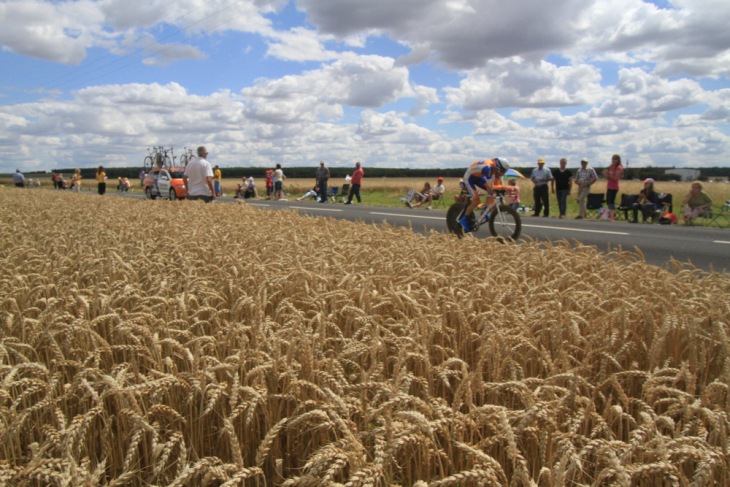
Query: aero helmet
x=501, y=163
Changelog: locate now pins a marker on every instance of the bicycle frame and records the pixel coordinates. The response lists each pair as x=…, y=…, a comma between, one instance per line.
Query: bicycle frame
x=483, y=218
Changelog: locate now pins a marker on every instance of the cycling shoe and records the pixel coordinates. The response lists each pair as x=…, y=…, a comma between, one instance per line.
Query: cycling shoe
x=464, y=221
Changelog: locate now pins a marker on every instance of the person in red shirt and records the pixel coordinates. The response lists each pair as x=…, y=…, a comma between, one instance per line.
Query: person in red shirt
x=355, y=184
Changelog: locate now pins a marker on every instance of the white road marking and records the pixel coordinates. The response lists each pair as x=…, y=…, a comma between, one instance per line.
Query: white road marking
x=721, y=242
x=436, y=217
x=315, y=208
x=568, y=229
x=410, y=215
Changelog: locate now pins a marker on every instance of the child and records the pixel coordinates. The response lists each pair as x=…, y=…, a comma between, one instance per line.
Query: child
x=513, y=194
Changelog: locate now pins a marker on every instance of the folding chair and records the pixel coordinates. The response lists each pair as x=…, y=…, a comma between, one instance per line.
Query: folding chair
x=344, y=191
x=665, y=202
x=594, y=202
x=332, y=193
x=626, y=205
x=721, y=215
x=441, y=201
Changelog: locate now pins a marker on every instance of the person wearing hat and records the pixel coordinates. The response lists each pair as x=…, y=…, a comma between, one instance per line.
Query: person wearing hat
x=322, y=176
x=435, y=193
x=585, y=177
x=648, y=202
x=540, y=178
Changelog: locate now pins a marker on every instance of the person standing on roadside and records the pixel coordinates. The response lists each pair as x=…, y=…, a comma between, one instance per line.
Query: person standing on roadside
x=323, y=175
x=76, y=180
x=541, y=177
x=198, y=178
x=613, y=176
x=355, y=184
x=585, y=177
x=279, y=178
x=562, y=184
x=217, y=180
x=18, y=179
x=100, y=180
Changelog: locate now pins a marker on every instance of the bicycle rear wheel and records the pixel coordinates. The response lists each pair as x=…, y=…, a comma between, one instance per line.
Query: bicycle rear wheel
x=167, y=162
x=147, y=164
x=506, y=224
x=452, y=219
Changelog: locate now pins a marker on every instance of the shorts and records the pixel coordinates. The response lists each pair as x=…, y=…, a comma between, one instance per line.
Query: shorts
x=475, y=182
x=277, y=186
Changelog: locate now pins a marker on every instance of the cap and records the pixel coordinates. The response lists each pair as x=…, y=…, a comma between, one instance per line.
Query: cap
x=541, y=161
x=584, y=160
x=440, y=178
x=648, y=180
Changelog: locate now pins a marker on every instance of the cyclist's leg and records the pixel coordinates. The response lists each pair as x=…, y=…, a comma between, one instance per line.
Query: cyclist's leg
x=471, y=187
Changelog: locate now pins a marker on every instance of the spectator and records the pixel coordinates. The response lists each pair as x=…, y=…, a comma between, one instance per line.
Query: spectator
x=54, y=180
x=696, y=204
x=613, y=176
x=322, y=175
x=241, y=188
x=198, y=178
x=648, y=201
x=76, y=180
x=250, y=189
x=279, y=178
x=513, y=194
x=562, y=184
x=417, y=196
x=585, y=177
x=18, y=179
x=142, y=175
x=269, y=183
x=217, y=180
x=540, y=178
x=100, y=180
x=433, y=194
x=355, y=183
x=312, y=193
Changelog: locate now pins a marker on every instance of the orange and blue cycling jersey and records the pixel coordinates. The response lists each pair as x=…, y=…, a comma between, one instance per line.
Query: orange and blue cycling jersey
x=480, y=174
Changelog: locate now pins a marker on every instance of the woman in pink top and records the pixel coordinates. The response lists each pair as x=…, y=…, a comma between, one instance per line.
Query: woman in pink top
x=613, y=175
x=355, y=184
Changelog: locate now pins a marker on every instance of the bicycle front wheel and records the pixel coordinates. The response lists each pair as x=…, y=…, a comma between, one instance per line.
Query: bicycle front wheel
x=452, y=219
x=505, y=224
x=147, y=164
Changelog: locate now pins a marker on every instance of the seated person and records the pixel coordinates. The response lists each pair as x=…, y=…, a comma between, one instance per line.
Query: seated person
x=513, y=194
x=433, y=194
x=648, y=202
x=417, y=196
x=250, y=191
x=312, y=193
x=241, y=188
x=696, y=203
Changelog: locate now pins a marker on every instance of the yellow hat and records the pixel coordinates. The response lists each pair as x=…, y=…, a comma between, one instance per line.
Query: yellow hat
x=541, y=161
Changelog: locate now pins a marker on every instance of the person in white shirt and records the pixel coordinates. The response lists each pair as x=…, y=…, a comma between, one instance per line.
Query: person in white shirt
x=435, y=193
x=541, y=177
x=198, y=178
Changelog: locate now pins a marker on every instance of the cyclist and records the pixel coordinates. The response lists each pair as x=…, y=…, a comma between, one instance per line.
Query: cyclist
x=485, y=175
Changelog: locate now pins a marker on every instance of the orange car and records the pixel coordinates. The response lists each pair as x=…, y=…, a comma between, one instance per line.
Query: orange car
x=165, y=183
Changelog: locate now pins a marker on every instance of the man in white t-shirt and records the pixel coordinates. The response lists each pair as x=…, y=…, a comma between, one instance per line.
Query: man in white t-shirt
x=198, y=178
x=435, y=193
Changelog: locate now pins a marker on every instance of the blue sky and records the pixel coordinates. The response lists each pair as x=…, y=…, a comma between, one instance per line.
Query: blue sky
x=412, y=83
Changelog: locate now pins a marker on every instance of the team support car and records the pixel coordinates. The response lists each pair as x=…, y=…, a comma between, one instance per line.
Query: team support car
x=166, y=182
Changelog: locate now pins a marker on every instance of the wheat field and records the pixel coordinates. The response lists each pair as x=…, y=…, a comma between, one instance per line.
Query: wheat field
x=234, y=346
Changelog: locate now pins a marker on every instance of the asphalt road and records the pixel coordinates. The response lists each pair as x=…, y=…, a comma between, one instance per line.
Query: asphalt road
x=703, y=247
